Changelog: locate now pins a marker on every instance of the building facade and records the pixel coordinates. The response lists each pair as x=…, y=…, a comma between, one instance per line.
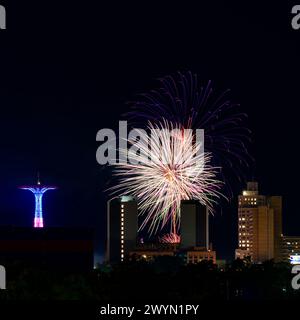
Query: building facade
x=196, y=255
x=290, y=249
x=259, y=225
x=151, y=251
x=193, y=224
x=192, y=255
x=194, y=232
x=122, y=228
x=275, y=202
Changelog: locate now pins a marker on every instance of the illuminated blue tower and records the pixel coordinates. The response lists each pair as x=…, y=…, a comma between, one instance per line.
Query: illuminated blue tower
x=38, y=191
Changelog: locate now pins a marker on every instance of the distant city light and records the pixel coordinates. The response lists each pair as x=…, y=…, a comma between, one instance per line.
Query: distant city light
x=295, y=259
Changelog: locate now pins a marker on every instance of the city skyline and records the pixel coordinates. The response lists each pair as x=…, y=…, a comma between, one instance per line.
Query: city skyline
x=259, y=214
x=53, y=103
x=168, y=130
x=102, y=242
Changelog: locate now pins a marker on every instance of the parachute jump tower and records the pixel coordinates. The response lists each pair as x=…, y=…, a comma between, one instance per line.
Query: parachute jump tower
x=38, y=190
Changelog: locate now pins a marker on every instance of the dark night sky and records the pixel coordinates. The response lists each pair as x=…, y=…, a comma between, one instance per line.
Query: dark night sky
x=68, y=70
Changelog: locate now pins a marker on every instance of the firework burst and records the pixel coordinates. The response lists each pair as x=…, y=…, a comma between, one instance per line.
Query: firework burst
x=183, y=100
x=163, y=169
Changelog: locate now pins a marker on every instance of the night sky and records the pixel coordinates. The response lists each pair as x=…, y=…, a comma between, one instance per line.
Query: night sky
x=68, y=71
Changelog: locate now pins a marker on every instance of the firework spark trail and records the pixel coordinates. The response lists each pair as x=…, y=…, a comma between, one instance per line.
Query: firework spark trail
x=170, y=238
x=171, y=170
x=181, y=99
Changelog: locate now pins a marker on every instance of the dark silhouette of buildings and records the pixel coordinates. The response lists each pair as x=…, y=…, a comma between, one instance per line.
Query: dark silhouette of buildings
x=194, y=244
x=47, y=248
x=193, y=224
x=122, y=230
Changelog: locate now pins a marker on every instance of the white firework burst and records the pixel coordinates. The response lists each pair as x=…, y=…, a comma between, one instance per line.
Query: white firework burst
x=163, y=169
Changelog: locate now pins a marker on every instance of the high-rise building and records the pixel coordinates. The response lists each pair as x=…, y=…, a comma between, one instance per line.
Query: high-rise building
x=122, y=228
x=194, y=235
x=193, y=224
x=259, y=225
